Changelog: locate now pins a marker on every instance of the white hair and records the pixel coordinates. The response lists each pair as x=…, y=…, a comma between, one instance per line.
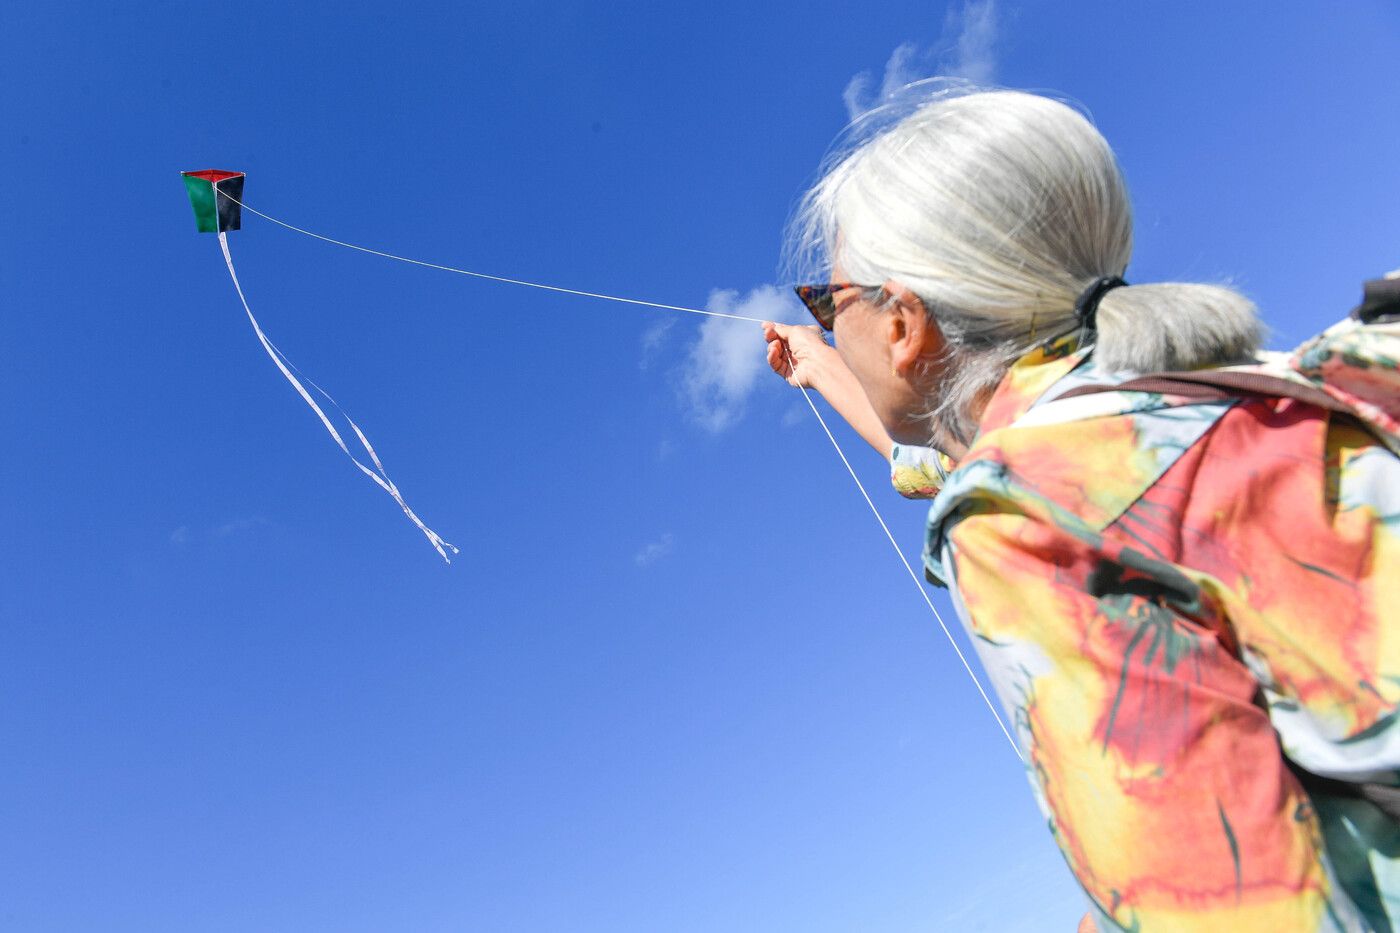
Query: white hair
x=998, y=208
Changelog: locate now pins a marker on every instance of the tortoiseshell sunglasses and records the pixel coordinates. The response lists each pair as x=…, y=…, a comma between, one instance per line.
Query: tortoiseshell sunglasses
x=820, y=300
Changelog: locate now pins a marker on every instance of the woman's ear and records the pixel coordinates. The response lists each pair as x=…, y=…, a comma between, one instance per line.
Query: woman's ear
x=911, y=333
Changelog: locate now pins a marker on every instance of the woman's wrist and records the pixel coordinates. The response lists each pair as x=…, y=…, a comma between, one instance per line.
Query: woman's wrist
x=834, y=378
x=818, y=370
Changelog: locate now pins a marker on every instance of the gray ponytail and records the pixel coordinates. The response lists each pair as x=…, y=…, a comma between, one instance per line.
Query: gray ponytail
x=997, y=208
x=1175, y=325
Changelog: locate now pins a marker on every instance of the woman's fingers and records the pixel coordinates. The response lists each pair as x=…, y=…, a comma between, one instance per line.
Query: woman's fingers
x=798, y=338
x=778, y=355
x=793, y=350
x=801, y=336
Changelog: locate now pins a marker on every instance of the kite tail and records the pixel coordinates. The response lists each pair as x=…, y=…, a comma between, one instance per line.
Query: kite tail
x=378, y=474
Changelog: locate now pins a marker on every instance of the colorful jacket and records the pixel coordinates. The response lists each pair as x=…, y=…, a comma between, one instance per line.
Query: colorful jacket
x=1184, y=606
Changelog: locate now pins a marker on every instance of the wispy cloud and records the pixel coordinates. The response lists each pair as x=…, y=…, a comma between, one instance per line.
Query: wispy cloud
x=654, y=551
x=654, y=339
x=966, y=49
x=725, y=363
x=974, y=51
x=185, y=535
x=237, y=526
x=906, y=63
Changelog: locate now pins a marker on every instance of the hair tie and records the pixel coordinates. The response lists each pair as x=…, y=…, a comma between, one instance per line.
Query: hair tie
x=1086, y=307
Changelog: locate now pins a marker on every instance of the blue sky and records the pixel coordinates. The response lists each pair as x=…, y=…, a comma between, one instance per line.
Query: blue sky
x=676, y=679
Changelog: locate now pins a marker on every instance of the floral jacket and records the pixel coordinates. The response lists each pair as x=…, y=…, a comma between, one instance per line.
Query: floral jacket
x=1191, y=610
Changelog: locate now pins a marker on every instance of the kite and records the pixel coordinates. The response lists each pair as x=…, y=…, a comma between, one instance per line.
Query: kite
x=216, y=197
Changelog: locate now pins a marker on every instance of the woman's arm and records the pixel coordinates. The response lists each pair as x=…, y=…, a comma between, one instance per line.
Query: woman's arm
x=803, y=358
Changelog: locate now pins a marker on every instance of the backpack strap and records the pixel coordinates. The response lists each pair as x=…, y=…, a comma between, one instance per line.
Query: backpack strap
x=1219, y=385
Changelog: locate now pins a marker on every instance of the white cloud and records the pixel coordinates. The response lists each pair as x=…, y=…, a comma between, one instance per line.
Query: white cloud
x=856, y=96
x=966, y=49
x=654, y=551
x=180, y=536
x=725, y=364
x=975, y=25
x=906, y=63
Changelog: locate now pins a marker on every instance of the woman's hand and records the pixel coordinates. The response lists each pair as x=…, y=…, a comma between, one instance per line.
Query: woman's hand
x=802, y=357
x=800, y=354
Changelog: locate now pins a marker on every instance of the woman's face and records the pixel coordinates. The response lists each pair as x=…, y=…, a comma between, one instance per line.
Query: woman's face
x=887, y=346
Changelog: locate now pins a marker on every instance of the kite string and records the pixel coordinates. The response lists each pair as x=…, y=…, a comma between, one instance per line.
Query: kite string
x=492, y=278
x=379, y=474
x=918, y=584
x=432, y=536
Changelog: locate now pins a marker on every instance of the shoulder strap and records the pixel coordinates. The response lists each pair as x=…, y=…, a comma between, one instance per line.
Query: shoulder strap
x=1218, y=385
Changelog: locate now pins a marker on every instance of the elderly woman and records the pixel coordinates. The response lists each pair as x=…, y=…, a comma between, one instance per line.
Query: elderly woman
x=1181, y=602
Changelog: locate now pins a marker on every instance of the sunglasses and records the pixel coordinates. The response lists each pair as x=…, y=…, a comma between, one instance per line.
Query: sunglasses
x=821, y=300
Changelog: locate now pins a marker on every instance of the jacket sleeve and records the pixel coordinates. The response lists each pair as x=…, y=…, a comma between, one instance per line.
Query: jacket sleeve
x=918, y=472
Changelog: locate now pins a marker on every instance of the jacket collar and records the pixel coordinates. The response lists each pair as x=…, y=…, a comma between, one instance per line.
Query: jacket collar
x=1029, y=379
